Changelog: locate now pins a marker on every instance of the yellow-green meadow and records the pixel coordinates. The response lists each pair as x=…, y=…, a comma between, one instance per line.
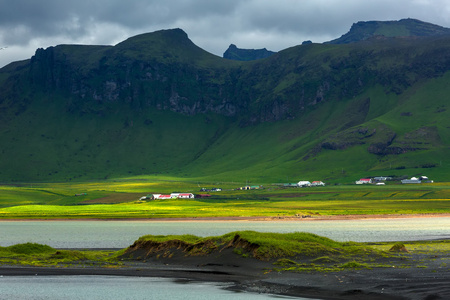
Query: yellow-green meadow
x=119, y=199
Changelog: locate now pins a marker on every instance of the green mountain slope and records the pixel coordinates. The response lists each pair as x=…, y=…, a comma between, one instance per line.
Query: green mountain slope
x=403, y=28
x=158, y=104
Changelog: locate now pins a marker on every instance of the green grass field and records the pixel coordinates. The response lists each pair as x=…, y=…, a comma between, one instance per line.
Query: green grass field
x=119, y=199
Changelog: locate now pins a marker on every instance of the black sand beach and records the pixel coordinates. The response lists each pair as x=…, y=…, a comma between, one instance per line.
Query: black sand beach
x=429, y=281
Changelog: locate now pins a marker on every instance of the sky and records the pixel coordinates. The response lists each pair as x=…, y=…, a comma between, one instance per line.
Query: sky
x=26, y=25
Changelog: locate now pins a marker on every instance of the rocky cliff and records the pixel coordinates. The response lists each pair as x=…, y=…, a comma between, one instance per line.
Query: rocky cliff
x=236, y=53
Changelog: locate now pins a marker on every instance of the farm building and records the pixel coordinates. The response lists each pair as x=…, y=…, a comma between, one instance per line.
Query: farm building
x=412, y=180
x=290, y=185
x=161, y=196
x=185, y=196
x=382, y=178
x=248, y=187
x=364, y=181
x=202, y=196
x=317, y=183
x=173, y=196
x=303, y=183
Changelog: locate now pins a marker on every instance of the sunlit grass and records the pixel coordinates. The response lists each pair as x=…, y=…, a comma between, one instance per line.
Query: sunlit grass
x=120, y=199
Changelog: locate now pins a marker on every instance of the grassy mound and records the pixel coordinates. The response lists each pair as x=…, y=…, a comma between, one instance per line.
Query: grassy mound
x=258, y=245
x=32, y=254
x=29, y=248
x=398, y=247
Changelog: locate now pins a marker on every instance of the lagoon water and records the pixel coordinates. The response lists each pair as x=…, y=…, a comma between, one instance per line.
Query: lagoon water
x=115, y=287
x=121, y=234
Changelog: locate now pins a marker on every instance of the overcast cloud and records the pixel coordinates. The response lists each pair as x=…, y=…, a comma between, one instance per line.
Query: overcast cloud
x=26, y=25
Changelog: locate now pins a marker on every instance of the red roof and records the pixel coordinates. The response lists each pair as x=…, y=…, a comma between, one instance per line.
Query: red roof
x=365, y=179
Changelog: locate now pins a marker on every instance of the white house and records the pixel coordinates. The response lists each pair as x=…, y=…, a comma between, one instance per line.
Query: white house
x=412, y=180
x=317, y=183
x=161, y=197
x=303, y=183
x=381, y=178
x=186, y=196
x=364, y=181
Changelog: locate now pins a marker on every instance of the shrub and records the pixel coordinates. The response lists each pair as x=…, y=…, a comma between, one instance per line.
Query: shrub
x=398, y=247
x=354, y=265
x=30, y=248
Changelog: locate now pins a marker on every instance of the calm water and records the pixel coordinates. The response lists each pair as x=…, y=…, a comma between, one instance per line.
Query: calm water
x=121, y=234
x=112, y=287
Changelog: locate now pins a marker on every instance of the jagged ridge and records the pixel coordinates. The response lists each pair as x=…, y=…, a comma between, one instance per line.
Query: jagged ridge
x=100, y=111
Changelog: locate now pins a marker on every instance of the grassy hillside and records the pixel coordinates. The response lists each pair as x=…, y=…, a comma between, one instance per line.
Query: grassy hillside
x=156, y=104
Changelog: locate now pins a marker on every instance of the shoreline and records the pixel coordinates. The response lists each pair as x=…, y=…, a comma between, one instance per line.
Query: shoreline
x=251, y=275
x=430, y=280
x=256, y=218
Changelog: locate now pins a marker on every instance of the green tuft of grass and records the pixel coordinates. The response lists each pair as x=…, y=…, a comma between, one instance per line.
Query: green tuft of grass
x=69, y=255
x=29, y=248
x=187, y=238
x=355, y=265
x=324, y=260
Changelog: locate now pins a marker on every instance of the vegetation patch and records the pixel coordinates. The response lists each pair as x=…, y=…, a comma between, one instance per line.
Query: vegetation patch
x=398, y=247
x=289, y=251
x=293, y=252
x=355, y=265
x=29, y=248
x=325, y=260
x=32, y=254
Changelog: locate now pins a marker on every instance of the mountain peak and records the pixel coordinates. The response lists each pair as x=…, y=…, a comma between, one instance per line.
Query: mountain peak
x=175, y=36
x=168, y=44
x=235, y=53
x=364, y=30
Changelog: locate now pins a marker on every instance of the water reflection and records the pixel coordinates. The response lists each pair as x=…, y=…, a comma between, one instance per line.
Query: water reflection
x=116, y=287
x=121, y=234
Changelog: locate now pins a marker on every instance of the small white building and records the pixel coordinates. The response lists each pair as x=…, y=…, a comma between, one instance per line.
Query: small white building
x=317, y=183
x=382, y=178
x=364, y=181
x=161, y=197
x=185, y=196
x=412, y=180
x=304, y=183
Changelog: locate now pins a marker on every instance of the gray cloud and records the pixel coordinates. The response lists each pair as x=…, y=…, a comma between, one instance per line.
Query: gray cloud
x=29, y=24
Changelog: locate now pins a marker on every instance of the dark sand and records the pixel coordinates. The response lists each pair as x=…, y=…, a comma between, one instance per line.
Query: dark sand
x=431, y=280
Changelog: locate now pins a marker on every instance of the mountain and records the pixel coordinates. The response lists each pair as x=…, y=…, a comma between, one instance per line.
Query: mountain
x=403, y=28
x=236, y=53
x=158, y=104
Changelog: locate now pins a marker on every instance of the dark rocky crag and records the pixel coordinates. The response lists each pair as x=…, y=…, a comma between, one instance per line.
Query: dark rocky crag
x=236, y=53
